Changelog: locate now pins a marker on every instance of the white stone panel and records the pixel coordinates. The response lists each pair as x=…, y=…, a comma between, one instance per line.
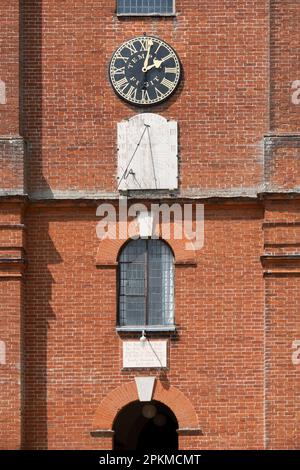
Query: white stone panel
x=145, y=354
x=145, y=222
x=145, y=386
x=296, y=354
x=147, y=153
x=2, y=93
x=2, y=353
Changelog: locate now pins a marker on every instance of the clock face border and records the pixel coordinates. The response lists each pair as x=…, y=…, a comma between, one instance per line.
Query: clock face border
x=167, y=95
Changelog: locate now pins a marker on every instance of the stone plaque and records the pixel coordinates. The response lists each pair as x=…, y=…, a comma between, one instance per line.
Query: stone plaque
x=2, y=93
x=2, y=353
x=147, y=153
x=145, y=354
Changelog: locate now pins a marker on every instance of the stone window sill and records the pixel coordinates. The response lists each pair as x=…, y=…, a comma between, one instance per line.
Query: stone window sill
x=150, y=328
x=164, y=15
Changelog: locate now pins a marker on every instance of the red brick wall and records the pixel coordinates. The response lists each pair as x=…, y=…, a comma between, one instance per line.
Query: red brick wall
x=71, y=111
x=282, y=324
x=9, y=66
x=12, y=165
x=282, y=163
x=282, y=377
x=11, y=295
x=11, y=230
x=237, y=317
x=285, y=66
x=10, y=395
x=74, y=354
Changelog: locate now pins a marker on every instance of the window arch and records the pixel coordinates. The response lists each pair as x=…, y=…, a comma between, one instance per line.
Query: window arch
x=146, y=285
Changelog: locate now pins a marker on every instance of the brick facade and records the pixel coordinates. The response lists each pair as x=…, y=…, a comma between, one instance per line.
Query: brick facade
x=231, y=379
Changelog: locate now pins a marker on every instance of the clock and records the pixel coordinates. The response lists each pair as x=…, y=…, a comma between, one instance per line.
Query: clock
x=144, y=71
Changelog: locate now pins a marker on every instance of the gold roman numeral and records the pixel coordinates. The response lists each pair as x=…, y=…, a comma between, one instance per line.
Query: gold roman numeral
x=131, y=93
x=171, y=70
x=169, y=56
x=118, y=71
x=122, y=84
x=145, y=96
x=158, y=48
x=159, y=94
x=167, y=83
x=121, y=57
x=144, y=44
x=131, y=47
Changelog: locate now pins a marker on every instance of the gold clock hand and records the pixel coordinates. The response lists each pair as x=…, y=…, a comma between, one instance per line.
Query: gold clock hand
x=148, y=68
x=150, y=44
x=156, y=63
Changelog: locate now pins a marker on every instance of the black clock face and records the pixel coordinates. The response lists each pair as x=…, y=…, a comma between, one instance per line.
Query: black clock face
x=144, y=71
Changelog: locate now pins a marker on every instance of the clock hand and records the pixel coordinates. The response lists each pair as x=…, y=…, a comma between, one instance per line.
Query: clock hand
x=150, y=44
x=149, y=67
x=144, y=83
x=156, y=63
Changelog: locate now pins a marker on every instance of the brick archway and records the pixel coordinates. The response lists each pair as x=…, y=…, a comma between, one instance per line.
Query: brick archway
x=108, y=250
x=172, y=397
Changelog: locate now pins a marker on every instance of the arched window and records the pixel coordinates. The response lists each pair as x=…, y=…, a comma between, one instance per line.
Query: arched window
x=146, y=285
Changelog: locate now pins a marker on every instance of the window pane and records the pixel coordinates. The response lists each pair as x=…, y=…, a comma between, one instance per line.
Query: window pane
x=160, y=284
x=132, y=311
x=132, y=302
x=134, y=279
x=145, y=7
x=134, y=251
x=146, y=284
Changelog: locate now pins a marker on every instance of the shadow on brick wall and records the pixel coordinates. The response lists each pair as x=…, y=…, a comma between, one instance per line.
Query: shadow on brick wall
x=31, y=95
x=38, y=317
x=38, y=280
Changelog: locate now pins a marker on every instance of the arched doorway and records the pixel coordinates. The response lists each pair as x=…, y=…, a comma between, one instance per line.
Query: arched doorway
x=145, y=426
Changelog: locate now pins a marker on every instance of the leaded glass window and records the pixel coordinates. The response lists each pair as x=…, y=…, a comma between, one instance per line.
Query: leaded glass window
x=146, y=7
x=146, y=284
